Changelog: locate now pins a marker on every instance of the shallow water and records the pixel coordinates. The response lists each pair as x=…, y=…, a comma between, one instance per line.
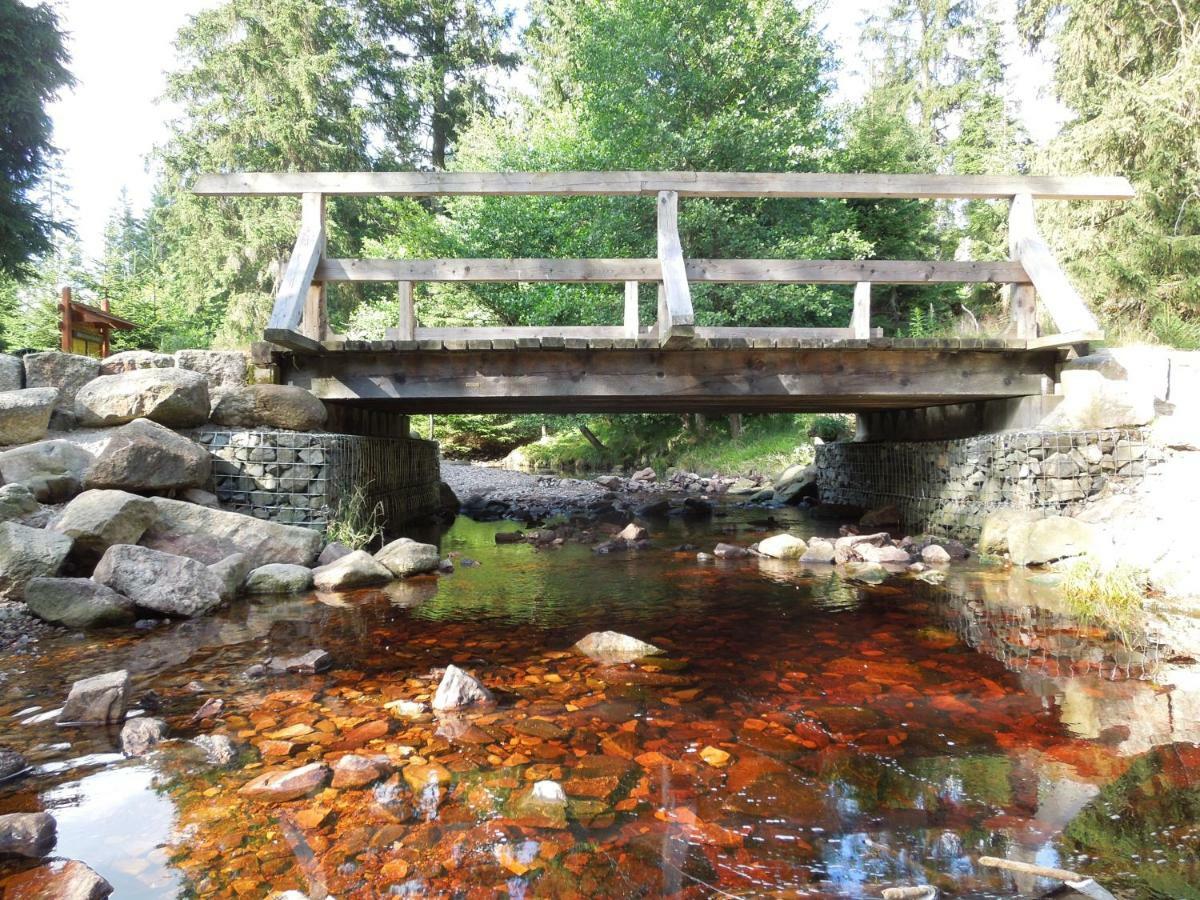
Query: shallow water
x=875, y=736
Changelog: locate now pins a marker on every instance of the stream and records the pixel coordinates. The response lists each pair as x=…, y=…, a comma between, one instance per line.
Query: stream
x=799, y=736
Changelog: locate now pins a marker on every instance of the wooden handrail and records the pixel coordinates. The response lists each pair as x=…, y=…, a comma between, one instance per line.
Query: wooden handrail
x=685, y=184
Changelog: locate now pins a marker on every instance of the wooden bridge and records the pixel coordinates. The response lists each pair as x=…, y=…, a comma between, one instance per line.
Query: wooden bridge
x=671, y=364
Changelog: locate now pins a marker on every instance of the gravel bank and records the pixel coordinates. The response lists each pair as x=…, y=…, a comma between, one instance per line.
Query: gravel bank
x=489, y=492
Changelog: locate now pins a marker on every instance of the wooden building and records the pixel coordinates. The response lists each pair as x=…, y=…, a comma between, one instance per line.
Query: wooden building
x=85, y=329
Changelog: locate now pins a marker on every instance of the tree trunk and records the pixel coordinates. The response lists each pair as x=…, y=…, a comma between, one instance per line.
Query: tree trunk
x=735, y=425
x=591, y=438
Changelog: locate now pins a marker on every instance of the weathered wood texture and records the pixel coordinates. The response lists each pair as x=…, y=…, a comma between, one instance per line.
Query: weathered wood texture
x=685, y=184
x=728, y=271
x=292, y=298
x=661, y=380
x=1068, y=310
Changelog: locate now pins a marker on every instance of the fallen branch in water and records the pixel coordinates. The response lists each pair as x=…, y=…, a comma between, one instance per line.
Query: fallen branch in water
x=1073, y=880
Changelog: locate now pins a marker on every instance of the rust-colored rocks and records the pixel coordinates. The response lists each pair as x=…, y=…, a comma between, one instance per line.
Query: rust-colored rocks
x=458, y=690
x=61, y=879
x=354, y=771
x=310, y=663
x=287, y=784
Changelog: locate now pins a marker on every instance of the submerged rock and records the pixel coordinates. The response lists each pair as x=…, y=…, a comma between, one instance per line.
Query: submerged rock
x=61, y=879
x=139, y=735
x=12, y=764
x=25, y=415
x=866, y=572
x=309, y=663
x=27, y=834
x=28, y=553
x=354, y=771
x=99, y=700
x=77, y=603
x=405, y=557
x=458, y=689
x=729, y=551
x=542, y=805
x=219, y=750
x=279, y=578
x=782, y=546
x=354, y=570
x=612, y=646
x=287, y=784
x=167, y=584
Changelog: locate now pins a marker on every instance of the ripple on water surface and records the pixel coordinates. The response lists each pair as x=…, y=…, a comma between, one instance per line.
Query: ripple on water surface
x=798, y=733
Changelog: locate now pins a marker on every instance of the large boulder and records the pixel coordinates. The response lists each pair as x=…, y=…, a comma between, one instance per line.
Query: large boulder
x=51, y=470
x=99, y=700
x=993, y=536
x=16, y=502
x=1050, y=539
x=27, y=834
x=210, y=535
x=146, y=456
x=132, y=360
x=224, y=369
x=77, y=603
x=59, y=879
x=97, y=519
x=782, y=546
x=12, y=372
x=270, y=406
x=66, y=371
x=167, y=584
x=406, y=557
x=27, y=553
x=1094, y=402
x=354, y=570
x=279, y=578
x=25, y=415
x=174, y=397
x=232, y=572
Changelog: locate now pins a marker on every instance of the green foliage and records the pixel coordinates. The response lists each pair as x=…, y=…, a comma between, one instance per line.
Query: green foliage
x=482, y=436
x=1111, y=596
x=33, y=70
x=1130, y=71
x=354, y=522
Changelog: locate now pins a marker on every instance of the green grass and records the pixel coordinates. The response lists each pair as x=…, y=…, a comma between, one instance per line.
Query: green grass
x=1111, y=596
x=354, y=522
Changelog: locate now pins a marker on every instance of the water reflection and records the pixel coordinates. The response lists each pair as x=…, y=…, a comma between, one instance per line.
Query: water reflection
x=875, y=734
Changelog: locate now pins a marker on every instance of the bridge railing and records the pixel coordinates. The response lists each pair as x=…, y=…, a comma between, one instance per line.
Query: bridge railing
x=1032, y=274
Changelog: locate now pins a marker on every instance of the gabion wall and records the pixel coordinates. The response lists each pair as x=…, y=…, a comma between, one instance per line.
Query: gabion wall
x=951, y=486
x=297, y=478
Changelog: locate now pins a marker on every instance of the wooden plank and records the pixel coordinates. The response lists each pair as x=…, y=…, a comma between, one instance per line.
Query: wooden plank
x=514, y=332
x=787, y=334
x=293, y=340
x=407, y=322
x=729, y=271
x=631, y=309
x=860, y=319
x=685, y=184
x=1022, y=311
x=1068, y=339
x=676, y=326
x=1064, y=304
x=293, y=294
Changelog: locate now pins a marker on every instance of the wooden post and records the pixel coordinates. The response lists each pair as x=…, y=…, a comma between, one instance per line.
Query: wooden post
x=631, y=309
x=314, y=322
x=68, y=326
x=660, y=324
x=1022, y=311
x=298, y=320
x=1064, y=304
x=735, y=425
x=676, y=321
x=408, y=313
x=860, y=320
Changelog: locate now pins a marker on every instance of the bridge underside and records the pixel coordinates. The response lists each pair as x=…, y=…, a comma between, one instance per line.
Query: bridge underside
x=866, y=375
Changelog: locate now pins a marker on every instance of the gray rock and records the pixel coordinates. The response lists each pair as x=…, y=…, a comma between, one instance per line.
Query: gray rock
x=279, y=578
x=27, y=553
x=458, y=689
x=614, y=647
x=405, y=557
x=232, y=572
x=77, y=603
x=782, y=546
x=174, y=397
x=729, y=551
x=881, y=517
x=131, y=360
x=12, y=764
x=287, y=784
x=146, y=456
x=1049, y=539
x=97, y=519
x=332, y=553
x=849, y=548
x=866, y=572
x=201, y=498
x=224, y=369
x=25, y=415
x=210, y=535
x=139, y=735
x=819, y=551
x=354, y=570
x=16, y=501
x=935, y=555
x=27, y=834
x=12, y=373
x=51, y=470
x=60, y=879
x=882, y=554
x=162, y=582
x=219, y=750
x=99, y=700
x=66, y=371
x=993, y=537
x=270, y=406
x=310, y=663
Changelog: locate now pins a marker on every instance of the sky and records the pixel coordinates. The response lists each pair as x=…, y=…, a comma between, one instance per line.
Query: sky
x=121, y=49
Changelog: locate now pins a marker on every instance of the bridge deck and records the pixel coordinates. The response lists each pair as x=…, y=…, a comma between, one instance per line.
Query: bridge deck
x=557, y=374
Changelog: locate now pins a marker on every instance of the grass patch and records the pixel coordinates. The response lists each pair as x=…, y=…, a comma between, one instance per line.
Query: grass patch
x=354, y=522
x=1111, y=596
